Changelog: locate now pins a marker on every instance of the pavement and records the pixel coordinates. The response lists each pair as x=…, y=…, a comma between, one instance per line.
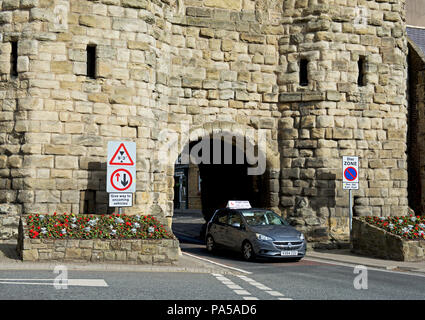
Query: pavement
x=187, y=227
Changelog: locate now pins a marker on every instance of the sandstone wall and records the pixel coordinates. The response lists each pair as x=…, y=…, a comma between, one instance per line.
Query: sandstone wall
x=205, y=66
x=334, y=116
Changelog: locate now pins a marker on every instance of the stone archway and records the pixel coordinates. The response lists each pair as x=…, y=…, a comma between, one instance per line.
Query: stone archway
x=260, y=185
x=416, y=129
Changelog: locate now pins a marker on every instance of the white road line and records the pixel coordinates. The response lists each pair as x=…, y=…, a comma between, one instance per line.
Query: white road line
x=50, y=282
x=260, y=286
x=236, y=288
x=216, y=263
x=242, y=292
x=274, y=293
x=353, y=264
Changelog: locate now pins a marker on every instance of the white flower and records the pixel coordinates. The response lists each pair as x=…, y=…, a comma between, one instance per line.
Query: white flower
x=400, y=220
x=136, y=225
x=404, y=230
x=73, y=225
x=134, y=230
x=41, y=217
x=410, y=227
x=87, y=229
x=421, y=225
x=413, y=219
x=383, y=218
x=43, y=230
x=119, y=220
x=73, y=219
x=93, y=222
x=137, y=217
x=151, y=229
x=391, y=226
x=63, y=231
x=113, y=232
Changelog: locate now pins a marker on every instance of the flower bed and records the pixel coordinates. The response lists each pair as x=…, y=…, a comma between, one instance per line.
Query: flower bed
x=113, y=226
x=409, y=227
x=91, y=238
x=393, y=238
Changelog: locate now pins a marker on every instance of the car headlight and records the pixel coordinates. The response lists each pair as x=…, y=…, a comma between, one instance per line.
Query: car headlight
x=263, y=237
x=301, y=236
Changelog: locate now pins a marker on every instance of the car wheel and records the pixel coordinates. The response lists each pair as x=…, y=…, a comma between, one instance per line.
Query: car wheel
x=210, y=244
x=248, y=251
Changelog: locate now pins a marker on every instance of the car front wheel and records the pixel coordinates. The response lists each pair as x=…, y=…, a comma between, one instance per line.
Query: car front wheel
x=248, y=251
x=210, y=244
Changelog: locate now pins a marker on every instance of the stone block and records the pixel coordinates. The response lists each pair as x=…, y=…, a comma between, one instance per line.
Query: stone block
x=73, y=253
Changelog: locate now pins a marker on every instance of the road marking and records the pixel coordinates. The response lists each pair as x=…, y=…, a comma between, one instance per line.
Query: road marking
x=274, y=293
x=216, y=263
x=353, y=264
x=260, y=286
x=242, y=292
x=236, y=288
x=50, y=282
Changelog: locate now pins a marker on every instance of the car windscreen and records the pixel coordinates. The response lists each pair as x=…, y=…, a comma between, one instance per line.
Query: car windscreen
x=263, y=218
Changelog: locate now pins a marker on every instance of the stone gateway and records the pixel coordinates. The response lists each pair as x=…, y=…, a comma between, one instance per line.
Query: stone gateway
x=304, y=81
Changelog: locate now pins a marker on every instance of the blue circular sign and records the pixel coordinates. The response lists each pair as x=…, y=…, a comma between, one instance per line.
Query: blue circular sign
x=350, y=173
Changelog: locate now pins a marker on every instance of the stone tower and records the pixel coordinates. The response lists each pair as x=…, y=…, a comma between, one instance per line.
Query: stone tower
x=319, y=78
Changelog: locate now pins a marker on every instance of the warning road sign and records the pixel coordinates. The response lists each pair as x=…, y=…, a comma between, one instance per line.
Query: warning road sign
x=121, y=153
x=121, y=179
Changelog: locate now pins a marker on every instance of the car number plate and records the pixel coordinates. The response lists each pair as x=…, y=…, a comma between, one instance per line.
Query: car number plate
x=289, y=253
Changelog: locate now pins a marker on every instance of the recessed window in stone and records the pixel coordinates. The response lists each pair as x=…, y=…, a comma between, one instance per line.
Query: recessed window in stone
x=14, y=59
x=361, y=76
x=91, y=61
x=303, y=72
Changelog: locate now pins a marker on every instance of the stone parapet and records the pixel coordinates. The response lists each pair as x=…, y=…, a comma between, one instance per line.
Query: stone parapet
x=375, y=242
x=129, y=251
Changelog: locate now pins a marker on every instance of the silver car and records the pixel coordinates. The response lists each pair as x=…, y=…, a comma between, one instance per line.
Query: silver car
x=254, y=233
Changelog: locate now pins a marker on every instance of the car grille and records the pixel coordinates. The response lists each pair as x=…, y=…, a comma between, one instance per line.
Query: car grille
x=288, y=245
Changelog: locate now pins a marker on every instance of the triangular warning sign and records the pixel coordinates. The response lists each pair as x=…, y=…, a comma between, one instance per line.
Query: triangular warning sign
x=121, y=157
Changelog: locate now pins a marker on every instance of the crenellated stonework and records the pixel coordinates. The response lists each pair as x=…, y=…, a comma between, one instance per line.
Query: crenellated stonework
x=215, y=66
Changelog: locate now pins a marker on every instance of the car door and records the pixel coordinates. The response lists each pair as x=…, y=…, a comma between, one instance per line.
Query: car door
x=218, y=227
x=235, y=231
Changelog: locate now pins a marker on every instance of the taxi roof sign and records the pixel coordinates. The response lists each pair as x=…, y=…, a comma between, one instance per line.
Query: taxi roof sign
x=232, y=204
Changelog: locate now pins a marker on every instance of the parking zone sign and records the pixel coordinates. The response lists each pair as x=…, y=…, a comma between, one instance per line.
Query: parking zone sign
x=350, y=173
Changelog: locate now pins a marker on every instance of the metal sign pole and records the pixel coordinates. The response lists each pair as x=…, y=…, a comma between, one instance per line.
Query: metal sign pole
x=350, y=205
x=120, y=210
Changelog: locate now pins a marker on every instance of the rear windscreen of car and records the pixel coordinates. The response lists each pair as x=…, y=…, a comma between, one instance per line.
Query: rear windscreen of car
x=258, y=218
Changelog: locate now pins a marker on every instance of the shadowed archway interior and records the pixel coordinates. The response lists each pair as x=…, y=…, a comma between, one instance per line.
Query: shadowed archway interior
x=224, y=175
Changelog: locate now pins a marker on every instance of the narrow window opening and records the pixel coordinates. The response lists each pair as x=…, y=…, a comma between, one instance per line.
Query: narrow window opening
x=303, y=72
x=14, y=59
x=91, y=61
x=361, y=76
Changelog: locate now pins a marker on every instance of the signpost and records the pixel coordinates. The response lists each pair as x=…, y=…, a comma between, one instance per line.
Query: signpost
x=121, y=173
x=350, y=180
